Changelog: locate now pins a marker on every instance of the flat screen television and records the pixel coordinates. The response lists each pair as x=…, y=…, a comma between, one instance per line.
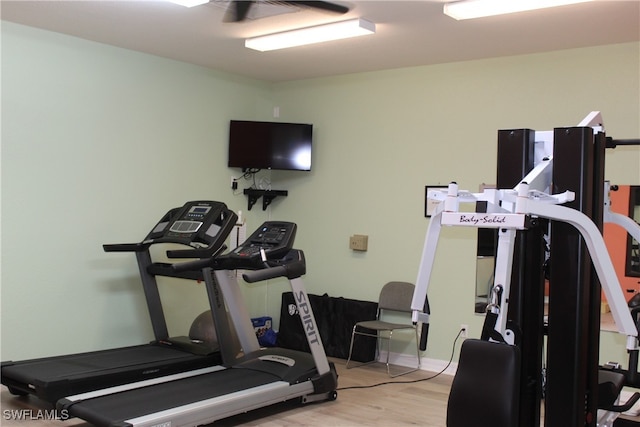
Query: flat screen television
x=270, y=145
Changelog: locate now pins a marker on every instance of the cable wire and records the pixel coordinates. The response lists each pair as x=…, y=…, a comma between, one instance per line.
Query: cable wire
x=455, y=340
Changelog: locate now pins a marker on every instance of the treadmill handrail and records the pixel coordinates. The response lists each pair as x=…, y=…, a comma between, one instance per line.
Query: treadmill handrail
x=291, y=266
x=126, y=247
x=211, y=250
x=193, y=265
x=266, y=274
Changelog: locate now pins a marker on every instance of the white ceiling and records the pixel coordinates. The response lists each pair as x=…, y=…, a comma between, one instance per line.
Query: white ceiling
x=409, y=33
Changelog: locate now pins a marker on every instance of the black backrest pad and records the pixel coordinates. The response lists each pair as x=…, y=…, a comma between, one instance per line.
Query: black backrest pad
x=485, y=388
x=609, y=386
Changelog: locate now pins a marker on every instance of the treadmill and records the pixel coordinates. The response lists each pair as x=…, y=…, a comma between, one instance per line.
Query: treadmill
x=255, y=378
x=203, y=226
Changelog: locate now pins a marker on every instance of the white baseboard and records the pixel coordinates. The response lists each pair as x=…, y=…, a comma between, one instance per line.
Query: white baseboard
x=426, y=364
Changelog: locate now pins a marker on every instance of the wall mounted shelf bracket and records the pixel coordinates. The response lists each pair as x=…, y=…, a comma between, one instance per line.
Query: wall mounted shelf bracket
x=267, y=196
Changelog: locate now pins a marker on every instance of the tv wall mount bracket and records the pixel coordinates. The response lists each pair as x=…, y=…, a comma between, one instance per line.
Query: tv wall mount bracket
x=267, y=196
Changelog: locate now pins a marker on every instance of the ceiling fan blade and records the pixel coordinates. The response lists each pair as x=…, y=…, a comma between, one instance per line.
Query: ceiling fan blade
x=324, y=5
x=238, y=10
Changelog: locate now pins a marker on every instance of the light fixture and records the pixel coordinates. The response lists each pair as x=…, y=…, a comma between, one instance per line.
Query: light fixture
x=469, y=9
x=310, y=35
x=189, y=3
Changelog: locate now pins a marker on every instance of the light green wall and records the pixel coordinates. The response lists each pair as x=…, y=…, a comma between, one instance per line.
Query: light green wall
x=123, y=128
x=97, y=144
x=382, y=136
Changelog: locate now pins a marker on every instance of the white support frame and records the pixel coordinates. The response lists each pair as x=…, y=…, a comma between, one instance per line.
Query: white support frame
x=504, y=265
x=526, y=204
x=509, y=210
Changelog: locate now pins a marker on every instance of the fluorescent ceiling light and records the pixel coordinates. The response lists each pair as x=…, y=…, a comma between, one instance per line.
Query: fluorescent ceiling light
x=189, y=3
x=469, y=9
x=310, y=35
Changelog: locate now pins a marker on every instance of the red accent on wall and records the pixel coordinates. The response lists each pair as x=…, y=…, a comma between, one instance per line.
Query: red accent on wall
x=615, y=238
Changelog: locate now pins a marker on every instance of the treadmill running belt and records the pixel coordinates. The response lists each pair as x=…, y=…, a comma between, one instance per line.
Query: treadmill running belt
x=110, y=409
x=53, y=368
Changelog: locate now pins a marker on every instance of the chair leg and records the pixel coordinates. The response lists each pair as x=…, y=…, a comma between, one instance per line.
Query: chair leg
x=353, y=334
x=418, y=349
x=417, y=358
x=378, y=352
x=388, y=353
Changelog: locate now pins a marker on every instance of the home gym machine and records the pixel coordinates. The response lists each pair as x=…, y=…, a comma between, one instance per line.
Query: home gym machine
x=250, y=379
x=203, y=227
x=613, y=371
x=550, y=188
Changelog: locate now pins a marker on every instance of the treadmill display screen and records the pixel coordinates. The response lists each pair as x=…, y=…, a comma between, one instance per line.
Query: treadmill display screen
x=199, y=210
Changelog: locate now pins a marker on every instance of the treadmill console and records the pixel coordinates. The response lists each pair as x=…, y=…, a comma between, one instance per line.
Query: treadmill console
x=269, y=245
x=273, y=239
x=195, y=222
x=203, y=225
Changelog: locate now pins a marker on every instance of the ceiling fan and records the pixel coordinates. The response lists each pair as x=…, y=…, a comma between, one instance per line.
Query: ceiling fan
x=238, y=10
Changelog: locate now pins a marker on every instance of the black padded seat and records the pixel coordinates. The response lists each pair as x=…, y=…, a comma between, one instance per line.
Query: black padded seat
x=609, y=386
x=485, y=389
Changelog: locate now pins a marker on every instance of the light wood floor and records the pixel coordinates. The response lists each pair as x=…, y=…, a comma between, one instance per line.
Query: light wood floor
x=423, y=403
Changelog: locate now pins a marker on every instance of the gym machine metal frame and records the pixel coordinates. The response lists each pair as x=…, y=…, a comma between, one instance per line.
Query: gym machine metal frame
x=574, y=302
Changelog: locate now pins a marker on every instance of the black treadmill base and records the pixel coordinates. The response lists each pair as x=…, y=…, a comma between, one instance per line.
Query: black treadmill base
x=53, y=378
x=115, y=409
x=256, y=381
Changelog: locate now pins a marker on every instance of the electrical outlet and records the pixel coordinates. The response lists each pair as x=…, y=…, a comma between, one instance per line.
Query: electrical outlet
x=464, y=331
x=359, y=242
